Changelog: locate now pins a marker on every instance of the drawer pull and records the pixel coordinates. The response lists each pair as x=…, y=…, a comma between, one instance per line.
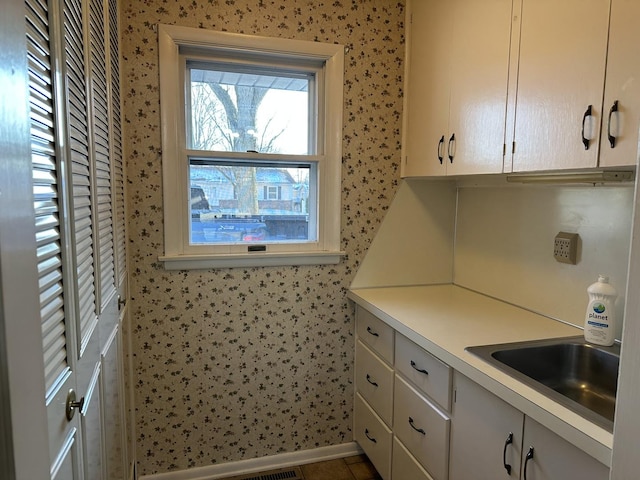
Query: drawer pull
x=371, y=332
x=419, y=430
x=415, y=367
x=366, y=432
x=529, y=457
x=507, y=442
x=371, y=381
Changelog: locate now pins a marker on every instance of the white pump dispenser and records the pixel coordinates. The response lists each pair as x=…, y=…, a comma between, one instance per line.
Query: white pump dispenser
x=599, y=322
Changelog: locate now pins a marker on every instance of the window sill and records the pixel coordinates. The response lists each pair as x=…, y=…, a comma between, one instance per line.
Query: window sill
x=195, y=262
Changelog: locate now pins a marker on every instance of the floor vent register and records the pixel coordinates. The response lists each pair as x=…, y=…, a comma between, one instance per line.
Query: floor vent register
x=282, y=474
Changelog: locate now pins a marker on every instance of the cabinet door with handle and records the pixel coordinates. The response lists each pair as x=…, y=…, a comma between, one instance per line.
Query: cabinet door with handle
x=479, y=78
x=546, y=456
x=486, y=434
x=621, y=112
x=563, y=50
x=426, y=117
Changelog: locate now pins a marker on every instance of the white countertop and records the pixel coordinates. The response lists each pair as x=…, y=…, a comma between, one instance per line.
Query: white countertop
x=445, y=319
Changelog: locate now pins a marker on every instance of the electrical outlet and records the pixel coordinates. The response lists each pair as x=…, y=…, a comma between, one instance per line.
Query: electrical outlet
x=565, y=248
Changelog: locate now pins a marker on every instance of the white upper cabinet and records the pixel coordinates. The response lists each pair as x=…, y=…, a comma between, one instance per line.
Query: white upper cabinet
x=457, y=76
x=621, y=112
x=563, y=52
x=495, y=86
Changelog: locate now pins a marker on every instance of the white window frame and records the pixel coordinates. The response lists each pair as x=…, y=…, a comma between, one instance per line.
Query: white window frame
x=179, y=254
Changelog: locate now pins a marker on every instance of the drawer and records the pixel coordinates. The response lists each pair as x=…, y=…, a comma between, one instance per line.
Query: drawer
x=404, y=466
x=374, y=381
x=373, y=436
x=375, y=333
x=422, y=428
x=425, y=371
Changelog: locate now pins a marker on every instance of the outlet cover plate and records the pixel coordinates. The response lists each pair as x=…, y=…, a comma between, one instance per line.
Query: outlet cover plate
x=565, y=248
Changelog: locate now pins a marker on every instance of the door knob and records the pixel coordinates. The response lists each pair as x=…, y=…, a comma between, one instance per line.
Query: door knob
x=72, y=404
x=122, y=302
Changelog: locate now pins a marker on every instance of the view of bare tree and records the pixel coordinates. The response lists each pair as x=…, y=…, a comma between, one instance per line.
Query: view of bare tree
x=224, y=117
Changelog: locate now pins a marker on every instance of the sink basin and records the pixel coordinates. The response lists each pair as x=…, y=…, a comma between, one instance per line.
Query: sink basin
x=580, y=376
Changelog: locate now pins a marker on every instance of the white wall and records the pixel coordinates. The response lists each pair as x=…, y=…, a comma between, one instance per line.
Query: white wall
x=504, y=244
x=414, y=244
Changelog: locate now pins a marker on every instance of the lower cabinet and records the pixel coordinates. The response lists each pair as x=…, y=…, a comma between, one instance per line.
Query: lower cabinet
x=417, y=419
x=546, y=456
x=486, y=434
x=491, y=439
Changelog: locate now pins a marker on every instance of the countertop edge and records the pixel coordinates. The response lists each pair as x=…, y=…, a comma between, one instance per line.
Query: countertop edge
x=577, y=430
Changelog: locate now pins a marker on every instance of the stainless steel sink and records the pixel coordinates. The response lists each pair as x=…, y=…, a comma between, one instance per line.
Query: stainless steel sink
x=581, y=376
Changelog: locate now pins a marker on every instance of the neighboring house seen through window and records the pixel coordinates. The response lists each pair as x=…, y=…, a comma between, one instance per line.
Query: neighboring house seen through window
x=252, y=131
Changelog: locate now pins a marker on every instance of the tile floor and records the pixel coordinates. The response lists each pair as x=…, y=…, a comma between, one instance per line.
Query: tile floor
x=351, y=468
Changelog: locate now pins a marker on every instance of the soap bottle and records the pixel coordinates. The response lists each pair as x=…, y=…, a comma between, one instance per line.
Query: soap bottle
x=599, y=322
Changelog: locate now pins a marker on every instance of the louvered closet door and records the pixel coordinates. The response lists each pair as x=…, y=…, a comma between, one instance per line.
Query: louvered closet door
x=115, y=434
x=55, y=299
x=98, y=365
x=79, y=201
x=84, y=226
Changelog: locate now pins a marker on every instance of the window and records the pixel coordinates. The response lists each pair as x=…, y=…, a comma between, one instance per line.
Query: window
x=252, y=132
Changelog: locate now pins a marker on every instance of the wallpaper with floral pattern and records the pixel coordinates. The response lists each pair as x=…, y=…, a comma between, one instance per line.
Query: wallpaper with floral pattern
x=241, y=363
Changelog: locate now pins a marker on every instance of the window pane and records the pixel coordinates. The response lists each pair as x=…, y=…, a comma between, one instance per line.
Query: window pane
x=240, y=112
x=235, y=202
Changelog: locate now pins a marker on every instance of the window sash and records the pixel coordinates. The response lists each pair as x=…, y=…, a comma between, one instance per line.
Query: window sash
x=313, y=214
x=314, y=71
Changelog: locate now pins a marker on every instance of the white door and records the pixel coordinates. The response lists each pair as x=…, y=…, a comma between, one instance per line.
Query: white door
x=479, y=79
x=563, y=49
x=486, y=434
x=79, y=208
x=546, y=456
x=56, y=300
x=426, y=118
x=621, y=112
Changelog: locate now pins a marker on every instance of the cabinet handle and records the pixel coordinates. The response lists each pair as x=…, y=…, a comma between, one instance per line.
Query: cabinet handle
x=366, y=433
x=585, y=140
x=440, y=145
x=529, y=457
x=612, y=139
x=415, y=367
x=507, y=442
x=449, y=149
x=371, y=332
x=371, y=381
x=419, y=430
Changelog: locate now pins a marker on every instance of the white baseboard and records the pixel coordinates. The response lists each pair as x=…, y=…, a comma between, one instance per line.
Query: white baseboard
x=213, y=472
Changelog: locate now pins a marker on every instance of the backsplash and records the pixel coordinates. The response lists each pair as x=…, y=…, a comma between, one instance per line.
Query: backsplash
x=505, y=237
x=242, y=363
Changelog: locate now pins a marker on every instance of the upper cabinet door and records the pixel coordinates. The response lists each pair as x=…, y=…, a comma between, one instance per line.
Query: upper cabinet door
x=479, y=78
x=427, y=85
x=563, y=51
x=621, y=111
